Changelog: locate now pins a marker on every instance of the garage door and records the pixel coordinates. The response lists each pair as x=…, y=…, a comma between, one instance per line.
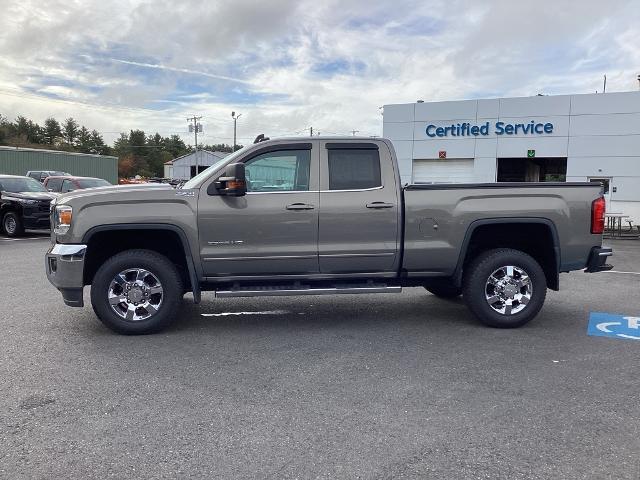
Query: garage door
x=443, y=171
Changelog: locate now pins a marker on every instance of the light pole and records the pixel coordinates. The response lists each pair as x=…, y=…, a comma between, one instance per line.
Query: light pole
x=235, y=121
x=195, y=127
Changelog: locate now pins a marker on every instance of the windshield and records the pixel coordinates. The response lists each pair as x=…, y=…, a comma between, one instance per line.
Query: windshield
x=92, y=182
x=16, y=185
x=205, y=173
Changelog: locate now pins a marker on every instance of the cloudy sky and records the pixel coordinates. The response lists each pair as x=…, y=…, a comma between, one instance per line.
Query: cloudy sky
x=287, y=65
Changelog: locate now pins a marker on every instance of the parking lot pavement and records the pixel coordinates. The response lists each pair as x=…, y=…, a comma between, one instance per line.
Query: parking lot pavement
x=389, y=386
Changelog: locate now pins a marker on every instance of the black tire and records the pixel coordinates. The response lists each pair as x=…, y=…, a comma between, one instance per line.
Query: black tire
x=160, y=268
x=12, y=224
x=478, y=290
x=445, y=291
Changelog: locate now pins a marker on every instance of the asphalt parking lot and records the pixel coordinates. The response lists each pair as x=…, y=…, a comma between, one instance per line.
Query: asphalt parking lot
x=390, y=386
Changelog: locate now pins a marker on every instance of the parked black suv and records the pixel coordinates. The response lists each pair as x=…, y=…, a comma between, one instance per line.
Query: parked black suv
x=24, y=203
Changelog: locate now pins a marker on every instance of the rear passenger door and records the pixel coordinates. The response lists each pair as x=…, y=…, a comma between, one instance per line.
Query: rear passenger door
x=359, y=218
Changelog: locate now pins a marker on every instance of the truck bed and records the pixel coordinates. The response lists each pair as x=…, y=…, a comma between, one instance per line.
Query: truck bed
x=440, y=220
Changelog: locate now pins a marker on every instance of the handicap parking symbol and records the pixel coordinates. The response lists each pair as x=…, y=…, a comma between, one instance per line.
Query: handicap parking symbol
x=616, y=326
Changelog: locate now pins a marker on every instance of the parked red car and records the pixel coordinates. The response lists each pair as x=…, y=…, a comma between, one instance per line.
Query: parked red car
x=69, y=184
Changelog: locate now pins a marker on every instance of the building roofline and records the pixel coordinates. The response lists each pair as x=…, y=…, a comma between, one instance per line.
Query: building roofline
x=58, y=152
x=628, y=92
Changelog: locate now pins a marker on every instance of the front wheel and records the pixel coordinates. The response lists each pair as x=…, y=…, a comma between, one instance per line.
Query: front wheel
x=504, y=288
x=12, y=224
x=136, y=292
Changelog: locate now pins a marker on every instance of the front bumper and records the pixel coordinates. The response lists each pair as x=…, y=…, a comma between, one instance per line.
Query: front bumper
x=598, y=260
x=64, y=264
x=36, y=217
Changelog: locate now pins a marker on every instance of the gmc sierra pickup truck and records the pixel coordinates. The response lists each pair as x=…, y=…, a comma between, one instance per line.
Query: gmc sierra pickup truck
x=300, y=216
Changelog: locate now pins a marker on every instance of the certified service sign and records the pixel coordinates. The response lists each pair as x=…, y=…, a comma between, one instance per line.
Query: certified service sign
x=616, y=326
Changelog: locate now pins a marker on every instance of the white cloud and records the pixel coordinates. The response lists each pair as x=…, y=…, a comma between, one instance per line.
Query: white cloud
x=287, y=65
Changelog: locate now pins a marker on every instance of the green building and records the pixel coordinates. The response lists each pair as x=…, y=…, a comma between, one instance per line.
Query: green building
x=18, y=161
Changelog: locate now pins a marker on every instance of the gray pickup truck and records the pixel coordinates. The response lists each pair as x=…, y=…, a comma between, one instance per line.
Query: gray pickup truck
x=312, y=216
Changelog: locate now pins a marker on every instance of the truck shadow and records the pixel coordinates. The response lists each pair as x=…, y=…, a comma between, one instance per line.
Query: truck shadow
x=323, y=312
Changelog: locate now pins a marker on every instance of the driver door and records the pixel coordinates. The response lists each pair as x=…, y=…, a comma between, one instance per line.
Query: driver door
x=273, y=229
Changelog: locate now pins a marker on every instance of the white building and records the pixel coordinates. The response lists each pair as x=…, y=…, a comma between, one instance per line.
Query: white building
x=594, y=137
x=184, y=167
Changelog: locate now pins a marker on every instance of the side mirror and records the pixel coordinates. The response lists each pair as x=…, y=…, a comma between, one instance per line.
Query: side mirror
x=233, y=182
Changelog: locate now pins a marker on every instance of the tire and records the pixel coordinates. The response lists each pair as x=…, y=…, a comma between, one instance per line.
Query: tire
x=12, y=224
x=151, y=301
x=445, y=291
x=496, y=289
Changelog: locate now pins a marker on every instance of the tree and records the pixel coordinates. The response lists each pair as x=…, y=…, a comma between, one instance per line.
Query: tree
x=28, y=131
x=126, y=167
x=52, y=131
x=70, y=130
x=175, y=146
x=97, y=144
x=83, y=142
x=220, y=147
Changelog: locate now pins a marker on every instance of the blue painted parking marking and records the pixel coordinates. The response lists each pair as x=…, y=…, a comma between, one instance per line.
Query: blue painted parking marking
x=614, y=326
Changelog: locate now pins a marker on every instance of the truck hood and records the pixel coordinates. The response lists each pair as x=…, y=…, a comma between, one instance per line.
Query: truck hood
x=103, y=194
x=30, y=195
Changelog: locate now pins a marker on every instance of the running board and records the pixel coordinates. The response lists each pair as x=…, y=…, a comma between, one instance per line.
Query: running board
x=280, y=291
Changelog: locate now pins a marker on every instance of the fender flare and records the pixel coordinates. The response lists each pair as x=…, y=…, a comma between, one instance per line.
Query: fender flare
x=193, y=276
x=553, y=282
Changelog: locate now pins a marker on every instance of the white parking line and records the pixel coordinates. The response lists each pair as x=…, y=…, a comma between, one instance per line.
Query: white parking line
x=22, y=239
x=226, y=314
x=623, y=273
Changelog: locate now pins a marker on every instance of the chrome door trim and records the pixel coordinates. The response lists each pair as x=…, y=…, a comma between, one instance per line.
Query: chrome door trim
x=354, y=190
x=271, y=257
x=283, y=191
x=346, y=255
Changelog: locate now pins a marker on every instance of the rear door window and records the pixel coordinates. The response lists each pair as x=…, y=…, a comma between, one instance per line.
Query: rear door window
x=54, y=184
x=354, y=169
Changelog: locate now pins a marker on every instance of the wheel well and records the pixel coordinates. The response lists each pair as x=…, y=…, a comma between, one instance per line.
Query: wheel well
x=535, y=239
x=104, y=244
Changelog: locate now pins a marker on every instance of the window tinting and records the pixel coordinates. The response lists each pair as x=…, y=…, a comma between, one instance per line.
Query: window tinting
x=67, y=186
x=54, y=184
x=92, y=182
x=279, y=171
x=352, y=169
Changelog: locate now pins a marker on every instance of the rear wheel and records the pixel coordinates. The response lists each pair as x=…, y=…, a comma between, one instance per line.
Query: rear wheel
x=12, y=224
x=136, y=292
x=504, y=288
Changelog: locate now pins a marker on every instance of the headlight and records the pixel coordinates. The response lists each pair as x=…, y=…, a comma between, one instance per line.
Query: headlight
x=62, y=219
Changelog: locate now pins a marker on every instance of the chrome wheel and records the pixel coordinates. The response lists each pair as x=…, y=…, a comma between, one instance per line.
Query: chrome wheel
x=135, y=294
x=10, y=225
x=508, y=290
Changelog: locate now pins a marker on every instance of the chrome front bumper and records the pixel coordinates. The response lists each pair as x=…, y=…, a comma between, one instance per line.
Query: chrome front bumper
x=64, y=264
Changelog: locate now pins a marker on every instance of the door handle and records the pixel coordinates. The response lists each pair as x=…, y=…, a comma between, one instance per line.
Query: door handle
x=380, y=205
x=299, y=206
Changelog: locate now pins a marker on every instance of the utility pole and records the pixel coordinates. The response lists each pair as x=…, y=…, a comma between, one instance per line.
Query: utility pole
x=604, y=86
x=195, y=127
x=235, y=120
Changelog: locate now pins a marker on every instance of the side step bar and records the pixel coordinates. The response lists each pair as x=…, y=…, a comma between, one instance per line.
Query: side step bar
x=279, y=291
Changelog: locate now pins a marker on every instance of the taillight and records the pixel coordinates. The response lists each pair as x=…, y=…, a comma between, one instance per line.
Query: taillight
x=598, y=208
